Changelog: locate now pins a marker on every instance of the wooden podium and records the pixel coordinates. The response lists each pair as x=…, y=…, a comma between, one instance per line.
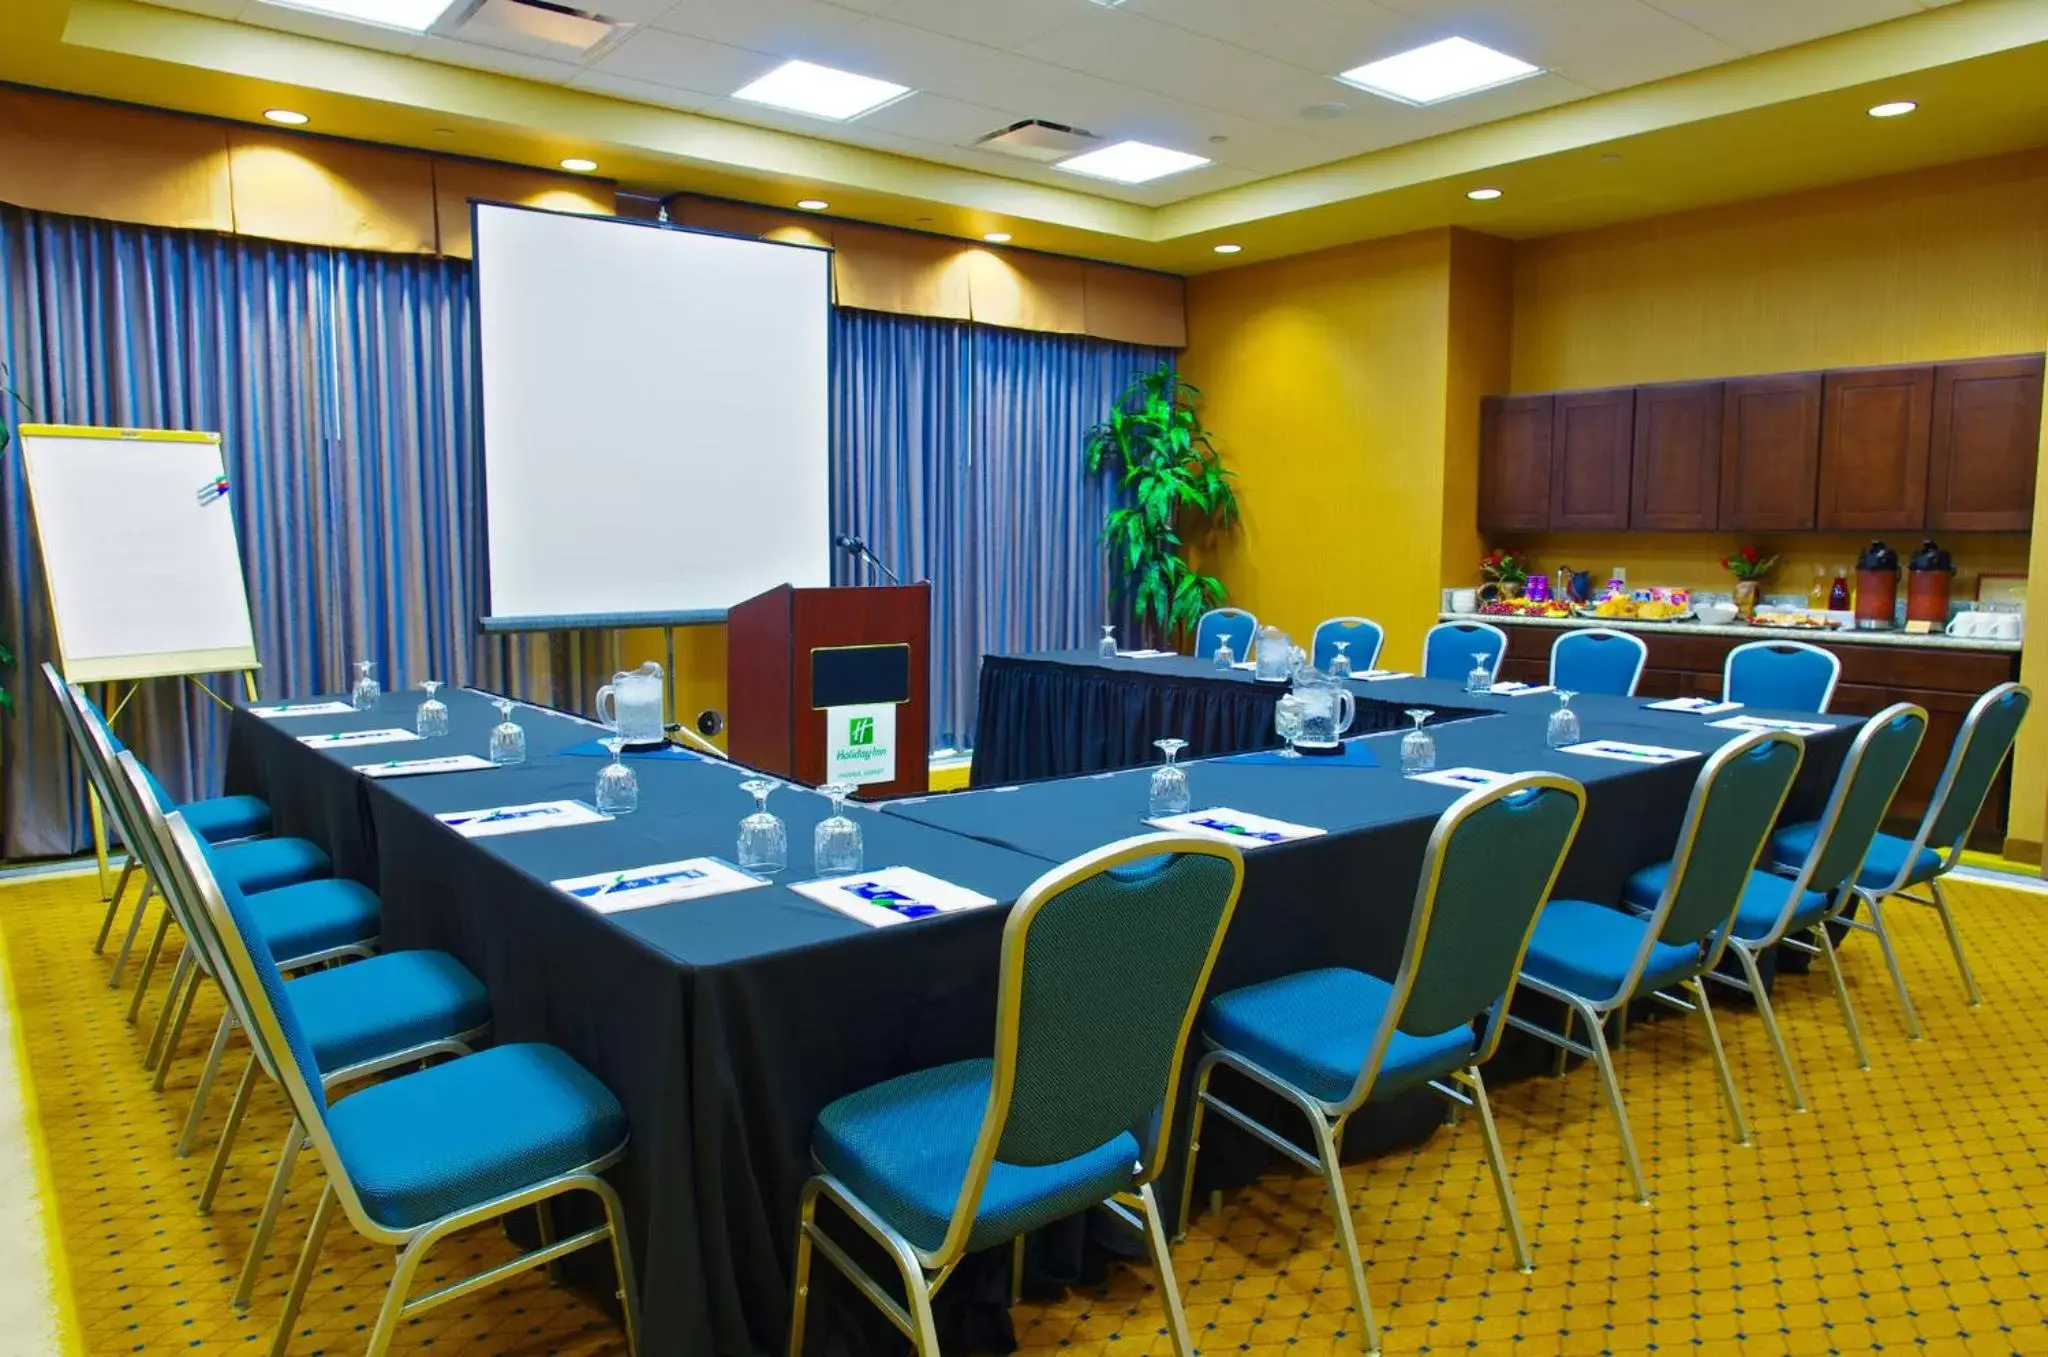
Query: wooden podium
x=800, y=663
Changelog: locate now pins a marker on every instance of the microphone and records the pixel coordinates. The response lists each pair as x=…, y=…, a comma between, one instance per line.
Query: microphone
x=854, y=546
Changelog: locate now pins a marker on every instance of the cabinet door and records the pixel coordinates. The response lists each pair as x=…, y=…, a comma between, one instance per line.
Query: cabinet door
x=1589, y=461
x=1986, y=439
x=1676, y=479
x=1514, y=463
x=1873, y=449
x=1770, y=452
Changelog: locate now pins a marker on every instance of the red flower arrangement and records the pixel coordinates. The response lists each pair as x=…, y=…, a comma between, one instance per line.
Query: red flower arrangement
x=1749, y=563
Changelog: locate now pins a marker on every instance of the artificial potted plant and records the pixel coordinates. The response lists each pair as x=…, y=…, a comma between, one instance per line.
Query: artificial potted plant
x=1505, y=571
x=1749, y=566
x=1174, y=487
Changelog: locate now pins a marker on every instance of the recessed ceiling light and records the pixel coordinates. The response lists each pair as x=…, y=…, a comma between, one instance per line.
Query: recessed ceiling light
x=820, y=91
x=579, y=165
x=812, y=204
x=1897, y=108
x=1228, y=249
x=1483, y=195
x=997, y=237
x=1132, y=162
x=286, y=116
x=1442, y=70
x=415, y=16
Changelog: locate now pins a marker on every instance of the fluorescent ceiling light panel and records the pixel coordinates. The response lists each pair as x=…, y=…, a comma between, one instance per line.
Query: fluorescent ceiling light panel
x=414, y=16
x=820, y=91
x=1132, y=162
x=1440, y=71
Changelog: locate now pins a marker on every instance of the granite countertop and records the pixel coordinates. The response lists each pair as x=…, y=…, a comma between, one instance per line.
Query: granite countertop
x=1839, y=636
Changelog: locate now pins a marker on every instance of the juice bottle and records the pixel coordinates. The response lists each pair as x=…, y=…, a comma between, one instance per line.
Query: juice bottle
x=1838, y=594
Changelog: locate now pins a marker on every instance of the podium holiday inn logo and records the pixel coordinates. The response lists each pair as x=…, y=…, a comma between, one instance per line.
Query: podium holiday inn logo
x=860, y=730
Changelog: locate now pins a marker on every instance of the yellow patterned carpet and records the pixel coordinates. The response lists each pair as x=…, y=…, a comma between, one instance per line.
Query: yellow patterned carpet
x=1907, y=1212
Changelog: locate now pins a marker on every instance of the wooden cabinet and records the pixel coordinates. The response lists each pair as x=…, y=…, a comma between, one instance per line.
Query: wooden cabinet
x=1514, y=463
x=1984, y=444
x=1770, y=452
x=1675, y=482
x=1591, y=437
x=1873, y=449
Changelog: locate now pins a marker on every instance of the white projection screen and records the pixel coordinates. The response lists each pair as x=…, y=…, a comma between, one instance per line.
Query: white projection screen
x=654, y=419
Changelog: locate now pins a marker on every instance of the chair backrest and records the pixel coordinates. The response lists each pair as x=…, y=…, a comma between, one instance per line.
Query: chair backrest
x=1491, y=861
x=1782, y=675
x=99, y=746
x=1735, y=803
x=1863, y=791
x=1235, y=625
x=1448, y=648
x=75, y=727
x=1105, y=961
x=1598, y=660
x=1363, y=635
x=1973, y=762
x=181, y=893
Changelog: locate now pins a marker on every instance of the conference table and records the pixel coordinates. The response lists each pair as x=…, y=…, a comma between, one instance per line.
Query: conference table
x=725, y=1024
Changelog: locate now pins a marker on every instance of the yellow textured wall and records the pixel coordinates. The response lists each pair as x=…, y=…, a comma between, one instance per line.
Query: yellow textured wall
x=1326, y=379
x=1482, y=308
x=699, y=680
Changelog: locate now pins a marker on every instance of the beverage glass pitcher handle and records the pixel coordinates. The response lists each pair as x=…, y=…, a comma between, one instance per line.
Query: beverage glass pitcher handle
x=1347, y=710
x=609, y=718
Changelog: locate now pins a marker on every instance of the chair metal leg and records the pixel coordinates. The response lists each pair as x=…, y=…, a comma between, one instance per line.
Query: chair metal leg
x=800, y=1286
x=1834, y=965
x=622, y=1263
x=1564, y=1055
x=1771, y=1028
x=1196, y=1116
x=1610, y=1084
x=393, y=1309
x=205, y=1089
x=177, y=1033
x=1017, y=1270
x=1891, y=960
x=1955, y=942
x=544, y=1214
x=99, y=944
x=1497, y=1160
x=1347, y=1233
x=149, y=959
x=180, y=973
x=302, y=1276
x=266, y=1224
x=1162, y=1263
x=134, y=928
x=1736, y=1122
x=226, y=1148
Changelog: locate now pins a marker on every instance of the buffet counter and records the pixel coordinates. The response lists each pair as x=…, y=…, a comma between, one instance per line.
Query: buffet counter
x=1743, y=631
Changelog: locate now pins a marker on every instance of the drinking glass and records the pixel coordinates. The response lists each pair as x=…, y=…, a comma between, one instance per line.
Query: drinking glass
x=1287, y=723
x=1107, y=647
x=1340, y=663
x=618, y=791
x=1225, y=658
x=366, y=693
x=1564, y=723
x=836, y=842
x=508, y=739
x=764, y=842
x=433, y=713
x=1169, y=781
x=1480, y=680
x=1418, y=746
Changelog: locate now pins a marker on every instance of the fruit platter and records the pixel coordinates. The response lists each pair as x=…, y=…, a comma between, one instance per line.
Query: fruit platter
x=1643, y=605
x=1525, y=607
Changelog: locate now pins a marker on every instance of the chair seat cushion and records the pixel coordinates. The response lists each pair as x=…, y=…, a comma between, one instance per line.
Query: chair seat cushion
x=223, y=819
x=903, y=1147
x=382, y=1005
x=266, y=864
x=1315, y=1030
x=314, y=917
x=1763, y=899
x=1888, y=853
x=459, y=1134
x=1587, y=949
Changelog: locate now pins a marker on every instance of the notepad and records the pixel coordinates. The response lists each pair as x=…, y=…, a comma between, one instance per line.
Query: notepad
x=1463, y=779
x=495, y=820
x=1625, y=752
x=1382, y=675
x=277, y=709
x=1754, y=723
x=1524, y=689
x=352, y=739
x=449, y=763
x=891, y=895
x=1697, y=706
x=1238, y=827
x=661, y=883
x=1143, y=654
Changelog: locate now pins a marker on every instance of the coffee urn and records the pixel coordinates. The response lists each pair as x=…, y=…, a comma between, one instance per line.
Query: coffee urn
x=1877, y=588
x=1930, y=573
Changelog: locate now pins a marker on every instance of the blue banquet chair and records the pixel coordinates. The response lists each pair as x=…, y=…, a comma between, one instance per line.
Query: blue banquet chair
x=1448, y=648
x=418, y=1157
x=1596, y=959
x=1104, y=962
x=1363, y=637
x=1598, y=660
x=1330, y=1041
x=1234, y=625
x=1894, y=865
x=1781, y=676
x=1793, y=903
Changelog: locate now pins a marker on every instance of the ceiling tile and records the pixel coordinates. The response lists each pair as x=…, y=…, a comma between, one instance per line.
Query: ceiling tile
x=310, y=25
x=1602, y=44
x=992, y=23
x=213, y=9
x=1761, y=25
x=685, y=63
x=1375, y=124
x=1240, y=21
x=597, y=81
x=475, y=55
x=787, y=28
x=936, y=118
x=626, y=11
x=1341, y=38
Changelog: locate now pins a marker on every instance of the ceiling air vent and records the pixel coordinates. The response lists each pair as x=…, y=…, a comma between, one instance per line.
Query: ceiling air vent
x=1037, y=139
x=537, y=29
